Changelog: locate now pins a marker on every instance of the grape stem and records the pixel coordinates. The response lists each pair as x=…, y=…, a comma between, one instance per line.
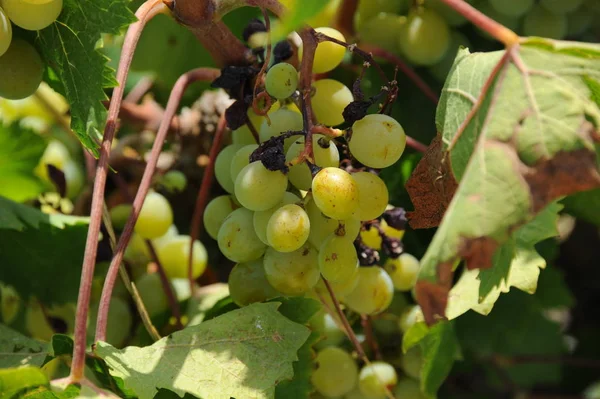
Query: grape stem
x=367, y=324
x=203, y=194
x=309, y=44
x=263, y=69
x=146, y=12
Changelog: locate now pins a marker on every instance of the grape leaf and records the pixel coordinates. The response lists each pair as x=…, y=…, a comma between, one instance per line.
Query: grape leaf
x=18, y=350
x=515, y=145
x=68, y=47
x=242, y=354
x=14, y=380
x=39, y=251
x=20, y=152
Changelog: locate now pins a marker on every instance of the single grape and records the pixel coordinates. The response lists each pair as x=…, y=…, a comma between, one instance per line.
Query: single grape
x=403, y=271
x=288, y=228
x=338, y=260
x=137, y=251
x=119, y=215
x=424, y=26
x=118, y=324
x=410, y=317
x=373, y=293
x=543, y=23
x=215, y=213
x=514, y=8
x=174, y=181
x=223, y=167
x=329, y=101
x=328, y=328
x=292, y=273
x=152, y=293
x=281, y=121
x=325, y=154
x=373, y=196
x=32, y=14
x=248, y=283
x=442, y=68
x=258, y=188
x=281, y=80
x=22, y=69
x=241, y=159
x=243, y=136
x=371, y=238
x=335, y=193
x=261, y=218
x=377, y=141
x=412, y=362
x=334, y=373
x=173, y=256
x=155, y=218
x=407, y=388
x=369, y=9
x=377, y=378
x=171, y=233
x=322, y=226
x=328, y=55
x=5, y=32
x=382, y=31
x=237, y=239
x=561, y=6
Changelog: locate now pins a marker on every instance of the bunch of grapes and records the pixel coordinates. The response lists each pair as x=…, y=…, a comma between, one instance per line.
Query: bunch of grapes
x=21, y=66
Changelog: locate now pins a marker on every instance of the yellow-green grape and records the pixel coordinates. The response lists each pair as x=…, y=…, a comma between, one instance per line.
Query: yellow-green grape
x=442, y=68
x=118, y=324
x=248, y=283
x=323, y=18
x=322, y=226
x=403, y=270
x=325, y=154
x=373, y=293
x=355, y=394
x=517, y=8
x=372, y=238
x=288, y=228
x=335, y=193
x=241, y=159
x=338, y=260
x=281, y=121
x=292, y=273
x=561, y=6
x=243, y=136
x=329, y=101
x=171, y=233
x=237, y=239
x=412, y=362
x=32, y=14
x=407, y=388
x=261, y=218
x=543, y=23
x=376, y=379
x=258, y=188
x=156, y=216
x=173, y=256
x=174, y=181
x=410, y=317
x=382, y=31
x=328, y=328
x=9, y=304
x=137, y=251
x=223, y=167
x=215, y=213
x=22, y=69
x=373, y=196
x=281, y=80
x=328, y=55
x=37, y=321
x=369, y=9
x=334, y=372
x=258, y=40
x=424, y=26
x=5, y=32
x=152, y=293
x=340, y=289
x=119, y=215
x=377, y=141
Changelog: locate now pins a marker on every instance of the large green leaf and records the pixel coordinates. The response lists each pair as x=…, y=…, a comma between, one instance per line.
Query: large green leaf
x=69, y=47
x=241, y=354
x=41, y=254
x=523, y=142
x=17, y=350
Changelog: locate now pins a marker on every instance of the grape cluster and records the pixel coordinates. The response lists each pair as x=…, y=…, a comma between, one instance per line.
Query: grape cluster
x=21, y=66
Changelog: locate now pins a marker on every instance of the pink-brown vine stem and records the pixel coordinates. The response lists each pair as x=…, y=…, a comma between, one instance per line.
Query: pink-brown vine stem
x=309, y=44
x=146, y=12
x=203, y=194
x=416, y=145
x=206, y=74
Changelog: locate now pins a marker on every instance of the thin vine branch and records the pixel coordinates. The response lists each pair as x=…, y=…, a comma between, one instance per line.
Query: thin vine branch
x=309, y=44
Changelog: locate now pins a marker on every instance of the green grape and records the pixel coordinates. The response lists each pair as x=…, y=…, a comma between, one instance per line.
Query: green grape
x=118, y=324
x=377, y=141
x=451, y=16
x=292, y=273
x=329, y=101
x=10, y=303
x=335, y=193
x=261, y=218
x=32, y=14
x=22, y=69
x=241, y=159
x=512, y=23
x=171, y=233
x=281, y=80
x=372, y=196
x=5, y=32
x=248, y=283
x=174, y=254
x=340, y=289
x=288, y=228
x=410, y=317
x=152, y=293
x=119, y=215
x=258, y=188
x=368, y=9
x=412, y=362
x=357, y=394
x=579, y=21
x=215, y=213
x=258, y=40
x=561, y=6
x=338, y=260
x=325, y=154
x=237, y=239
x=223, y=167
x=382, y=31
x=403, y=271
x=334, y=373
x=328, y=55
x=322, y=226
x=373, y=293
x=282, y=120
x=137, y=250
x=543, y=23
x=155, y=218
x=424, y=26
x=328, y=328
x=514, y=8
x=243, y=136
x=42, y=323
x=407, y=388
x=442, y=68
x=174, y=181
x=375, y=379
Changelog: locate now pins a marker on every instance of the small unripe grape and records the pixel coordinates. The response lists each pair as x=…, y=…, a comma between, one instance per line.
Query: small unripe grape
x=424, y=26
x=328, y=54
x=382, y=31
x=412, y=361
x=403, y=271
x=373, y=196
x=174, y=181
x=373, y=293
x=329, y=101
x=407, y=388
x=322, y=226
x=248, y=283
x=377, y=141
x=241, y=159
x=215, y=213
x=261, y=218
x=281, y=121
x=152, y=293
x=258, y=188
x=331, y=334
x=288, y=228
x=292, y=273
x=338, y=260
x=5, y=32
x=32, y=14
x=223, y=167
x=119, y=215
x=237, y=238
x=335, y=372
x=325, y=154
x=155, y=218
x=22, y=69
x=335, y=193
x=377, y=378
x=410, y=317
x=174, y=253
x=281, y=80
